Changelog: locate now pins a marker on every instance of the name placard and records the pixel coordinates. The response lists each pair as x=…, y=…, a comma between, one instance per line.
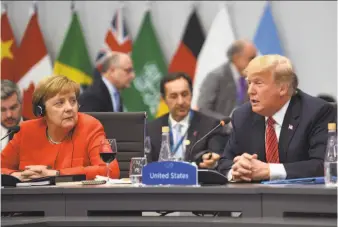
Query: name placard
x=170, y=173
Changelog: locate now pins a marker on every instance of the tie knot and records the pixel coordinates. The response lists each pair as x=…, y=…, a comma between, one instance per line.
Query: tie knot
x=271, y=121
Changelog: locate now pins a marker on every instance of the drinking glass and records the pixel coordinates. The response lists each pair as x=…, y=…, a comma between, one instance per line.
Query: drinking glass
x=108, y=150
x=135, y=171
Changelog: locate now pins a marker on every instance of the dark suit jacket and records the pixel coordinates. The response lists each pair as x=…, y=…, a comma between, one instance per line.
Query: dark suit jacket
x=218, y=93
x=200, y=125
x=301, y=147
x=96, y=98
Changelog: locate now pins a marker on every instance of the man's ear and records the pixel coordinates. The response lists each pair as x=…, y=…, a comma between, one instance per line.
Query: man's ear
x=284, y=89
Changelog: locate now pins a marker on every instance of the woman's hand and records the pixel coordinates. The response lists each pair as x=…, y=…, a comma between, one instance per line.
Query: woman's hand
x=41, y=171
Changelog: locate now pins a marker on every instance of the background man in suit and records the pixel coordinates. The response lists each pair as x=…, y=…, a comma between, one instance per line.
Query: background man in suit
x=176, y=90
x=282, y=132
x=104, y=94
x=225, y=87
x=11, y=109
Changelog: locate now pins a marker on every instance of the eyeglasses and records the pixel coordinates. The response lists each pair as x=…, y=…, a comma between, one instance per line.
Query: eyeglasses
x=128, y=70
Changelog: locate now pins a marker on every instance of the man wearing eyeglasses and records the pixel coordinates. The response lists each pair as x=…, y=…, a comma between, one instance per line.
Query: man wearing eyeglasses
x=104, y=95
x=11, y=109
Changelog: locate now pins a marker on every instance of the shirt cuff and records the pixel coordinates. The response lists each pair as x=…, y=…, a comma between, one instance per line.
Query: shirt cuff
x=277, y=172
x=229, y=176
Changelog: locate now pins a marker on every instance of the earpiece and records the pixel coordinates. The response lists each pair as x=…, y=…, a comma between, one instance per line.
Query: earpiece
x=39, y=109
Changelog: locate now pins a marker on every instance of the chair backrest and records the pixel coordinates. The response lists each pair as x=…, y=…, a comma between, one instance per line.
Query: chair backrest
x=129, y=131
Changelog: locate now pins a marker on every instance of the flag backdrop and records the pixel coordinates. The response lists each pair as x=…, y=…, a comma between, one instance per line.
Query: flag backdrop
x=73, y=60
x=8, y=48
x=32, y=62
x=266, y=38
x=213, y=53
x=185, y=57
x=117, y=39
x=150, y=67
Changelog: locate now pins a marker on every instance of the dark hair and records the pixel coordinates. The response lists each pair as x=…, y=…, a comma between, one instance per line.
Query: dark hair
x=174, y=76
x=327, y=98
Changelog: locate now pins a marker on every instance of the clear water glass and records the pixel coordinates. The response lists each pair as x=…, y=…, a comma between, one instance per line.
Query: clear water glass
x=135, y=171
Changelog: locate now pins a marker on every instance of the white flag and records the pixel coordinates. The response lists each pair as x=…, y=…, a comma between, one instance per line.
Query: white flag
x=213, y=53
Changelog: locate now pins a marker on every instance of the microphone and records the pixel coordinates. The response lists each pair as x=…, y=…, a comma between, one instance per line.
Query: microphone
x=14, y=129
x=223, y=122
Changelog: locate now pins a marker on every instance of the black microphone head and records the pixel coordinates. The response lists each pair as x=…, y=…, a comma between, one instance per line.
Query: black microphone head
x=15, y=128
x=225, y=121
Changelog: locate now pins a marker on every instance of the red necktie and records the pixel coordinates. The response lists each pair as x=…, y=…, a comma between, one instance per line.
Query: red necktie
x=271, y=143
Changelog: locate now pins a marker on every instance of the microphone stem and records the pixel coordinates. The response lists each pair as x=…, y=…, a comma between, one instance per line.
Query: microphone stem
x=205, y=136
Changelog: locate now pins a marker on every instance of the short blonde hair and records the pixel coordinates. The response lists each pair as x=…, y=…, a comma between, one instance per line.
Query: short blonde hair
x=50, y=86
x=280, y=67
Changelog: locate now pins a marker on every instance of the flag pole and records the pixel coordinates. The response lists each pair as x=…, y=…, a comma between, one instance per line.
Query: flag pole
x=148, y=5
x=72, y=6
x=228, y=7
x=4, y=6
x=195, y=5
x=35, y=7
x=122, y=5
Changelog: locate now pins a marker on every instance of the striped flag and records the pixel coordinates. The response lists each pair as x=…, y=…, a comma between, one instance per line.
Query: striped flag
x=266, y=38
x=32, y=62
x=117, y=39
x=185, y=57
x=73, y=60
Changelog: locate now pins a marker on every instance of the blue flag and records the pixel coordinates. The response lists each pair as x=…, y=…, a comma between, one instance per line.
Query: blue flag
x=266, y=38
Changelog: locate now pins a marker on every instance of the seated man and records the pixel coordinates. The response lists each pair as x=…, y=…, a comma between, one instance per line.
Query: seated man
x=185, y=124
x=11, y=109
x=282, y=132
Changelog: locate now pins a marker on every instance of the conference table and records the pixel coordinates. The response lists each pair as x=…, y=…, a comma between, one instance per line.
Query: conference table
x=75, y=204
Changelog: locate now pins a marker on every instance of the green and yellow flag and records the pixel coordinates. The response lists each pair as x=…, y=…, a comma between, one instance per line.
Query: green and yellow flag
x=73, y=60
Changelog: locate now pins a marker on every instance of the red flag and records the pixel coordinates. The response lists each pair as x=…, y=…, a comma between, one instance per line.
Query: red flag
x=33, y=63
x=8, y=49
x=185, y=58
x=117, y=39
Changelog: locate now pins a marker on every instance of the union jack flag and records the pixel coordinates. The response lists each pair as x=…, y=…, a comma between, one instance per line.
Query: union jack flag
x=117, y=39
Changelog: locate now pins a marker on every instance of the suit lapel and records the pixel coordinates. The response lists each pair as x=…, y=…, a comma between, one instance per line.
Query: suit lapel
x=289, y=127
x=106, y=95
x=258, y=141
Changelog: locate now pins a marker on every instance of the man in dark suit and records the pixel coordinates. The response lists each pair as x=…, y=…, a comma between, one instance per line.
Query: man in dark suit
x=185, y=124
x=104, y=94
x=225, y=86
x=282, y=132
x=11, y=109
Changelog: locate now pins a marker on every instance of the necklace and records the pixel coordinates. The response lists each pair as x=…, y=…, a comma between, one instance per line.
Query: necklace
x=51, y=140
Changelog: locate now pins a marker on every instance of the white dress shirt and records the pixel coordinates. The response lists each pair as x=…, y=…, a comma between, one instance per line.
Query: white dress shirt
x=277, y=170
x=4, y=131
x=184, y=127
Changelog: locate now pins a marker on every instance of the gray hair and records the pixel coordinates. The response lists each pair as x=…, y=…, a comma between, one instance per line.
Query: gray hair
x=235, y=48
x=8, y=88
x=112, y=60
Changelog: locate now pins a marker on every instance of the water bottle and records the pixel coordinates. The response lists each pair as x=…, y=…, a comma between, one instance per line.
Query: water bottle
x=165, y=153
x=330, y=161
